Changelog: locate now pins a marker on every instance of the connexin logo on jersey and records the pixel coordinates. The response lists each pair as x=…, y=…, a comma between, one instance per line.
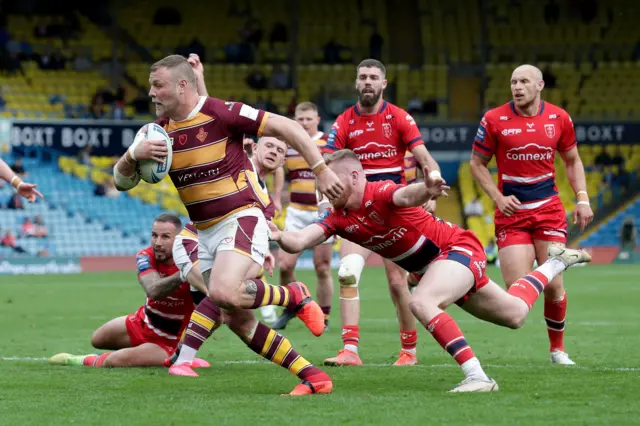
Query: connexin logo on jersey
x=391, y=151
x=542, y=153
x=393, y=236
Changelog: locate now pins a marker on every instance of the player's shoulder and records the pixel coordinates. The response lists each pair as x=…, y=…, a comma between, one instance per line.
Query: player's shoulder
x=551, y=111
x=145, y=252
x=380, y=186
x=389, y=108
x=503, y=112
x=216, y=106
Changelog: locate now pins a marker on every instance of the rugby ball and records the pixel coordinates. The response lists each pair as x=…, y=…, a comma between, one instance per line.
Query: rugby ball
x=151, y=171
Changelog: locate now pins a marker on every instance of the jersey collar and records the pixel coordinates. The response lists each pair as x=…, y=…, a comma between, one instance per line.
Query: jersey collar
x=515, y=111
x=380, y=110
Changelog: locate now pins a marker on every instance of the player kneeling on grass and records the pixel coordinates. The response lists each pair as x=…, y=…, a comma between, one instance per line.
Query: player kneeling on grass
x=448, y=261
x=147, y=337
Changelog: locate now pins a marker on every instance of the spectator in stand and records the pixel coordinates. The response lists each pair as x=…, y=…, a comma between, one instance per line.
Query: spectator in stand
x=415, y=105
x=279, y=34
x=84, y=156
x=10, y=240
x=41, y=230
x=603, y=159
x=256, y=80
x=28, y=229
x=18, y=168
x=618, y=159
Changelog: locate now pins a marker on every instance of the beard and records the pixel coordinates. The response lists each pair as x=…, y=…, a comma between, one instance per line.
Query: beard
x=369, y=99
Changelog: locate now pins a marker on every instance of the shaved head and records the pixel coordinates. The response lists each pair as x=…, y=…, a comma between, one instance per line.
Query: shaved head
x=533, y=72
x=526, y=85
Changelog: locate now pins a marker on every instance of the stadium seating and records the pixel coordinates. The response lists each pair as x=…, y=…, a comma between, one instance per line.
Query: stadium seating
x=451, y=31
x=107, y=226
x=608, y=234
x=72, y=231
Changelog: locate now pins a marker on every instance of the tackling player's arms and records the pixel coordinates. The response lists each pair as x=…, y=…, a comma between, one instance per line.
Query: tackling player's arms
x=196, y=280
x=417, y=194
x=158, y=288
x=295, y=242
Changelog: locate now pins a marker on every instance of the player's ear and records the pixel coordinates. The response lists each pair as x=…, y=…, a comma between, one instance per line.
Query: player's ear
x=384, y=83
x=540, y=85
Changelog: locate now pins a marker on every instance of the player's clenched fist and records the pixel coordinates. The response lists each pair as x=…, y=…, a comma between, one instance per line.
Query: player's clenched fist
x=329, y=184
x=196, y=65
x=508, y=205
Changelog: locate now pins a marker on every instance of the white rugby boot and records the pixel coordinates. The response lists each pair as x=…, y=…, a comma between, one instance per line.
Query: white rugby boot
x=476, y=384
x=568, y=256
x=562, y=358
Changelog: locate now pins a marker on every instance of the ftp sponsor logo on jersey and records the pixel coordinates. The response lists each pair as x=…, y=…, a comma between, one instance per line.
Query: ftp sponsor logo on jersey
x=544, y=153
x=509, y=132
x=393, y=236
x=355, y=133
x=352, y=228
x=367, y=204
x=504, y=118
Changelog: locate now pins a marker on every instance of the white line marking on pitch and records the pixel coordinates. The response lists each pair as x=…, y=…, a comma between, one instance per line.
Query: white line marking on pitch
x=419, y=366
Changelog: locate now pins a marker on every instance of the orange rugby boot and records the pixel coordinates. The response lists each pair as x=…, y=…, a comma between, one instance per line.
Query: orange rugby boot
x=185, y=370
x=307, y=309
x=344, y=358
x=318, y=383
x=406, y=358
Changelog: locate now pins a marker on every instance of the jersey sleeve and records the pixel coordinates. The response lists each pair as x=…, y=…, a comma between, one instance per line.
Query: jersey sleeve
x=568, y=138
x=337, y=136
x=145, y=263
x=385, y=190
x=409, y=133
x=485, y=141
x=327, y=221
x=242, y=118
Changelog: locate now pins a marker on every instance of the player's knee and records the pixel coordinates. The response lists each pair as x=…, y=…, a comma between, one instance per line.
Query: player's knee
x=351, y=267
x=323, y=268
x=222, y=297
x=99, y=340
x=287, y=264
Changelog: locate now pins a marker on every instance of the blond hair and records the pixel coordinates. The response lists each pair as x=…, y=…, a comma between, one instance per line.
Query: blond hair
x=341, y=156
x=178, y=65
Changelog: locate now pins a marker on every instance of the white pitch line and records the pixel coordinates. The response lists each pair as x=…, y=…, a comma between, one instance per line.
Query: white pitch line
x=374, y=365
x=427, y=366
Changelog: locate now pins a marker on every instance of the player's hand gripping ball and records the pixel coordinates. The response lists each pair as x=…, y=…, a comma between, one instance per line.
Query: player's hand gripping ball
x=153, y=170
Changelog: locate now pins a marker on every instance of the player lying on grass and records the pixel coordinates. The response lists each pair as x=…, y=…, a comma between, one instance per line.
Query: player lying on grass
x=449, y=262
x=147, y=337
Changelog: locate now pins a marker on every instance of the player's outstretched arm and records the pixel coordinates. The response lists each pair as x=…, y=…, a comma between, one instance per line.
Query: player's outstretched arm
x=417, y=194
x=295, y=242
x=295, y=136
x=27, y=190
x=578, y=182
x=157, y=287
x=196, y=280
x=482, y=175
x=424, y=158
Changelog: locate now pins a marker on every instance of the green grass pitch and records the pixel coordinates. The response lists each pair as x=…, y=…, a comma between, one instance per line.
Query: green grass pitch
x=44, y=315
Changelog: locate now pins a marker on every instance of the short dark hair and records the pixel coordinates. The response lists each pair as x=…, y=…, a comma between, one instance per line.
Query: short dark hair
x=179, y=64
x=169, y=218
x=372, y=63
